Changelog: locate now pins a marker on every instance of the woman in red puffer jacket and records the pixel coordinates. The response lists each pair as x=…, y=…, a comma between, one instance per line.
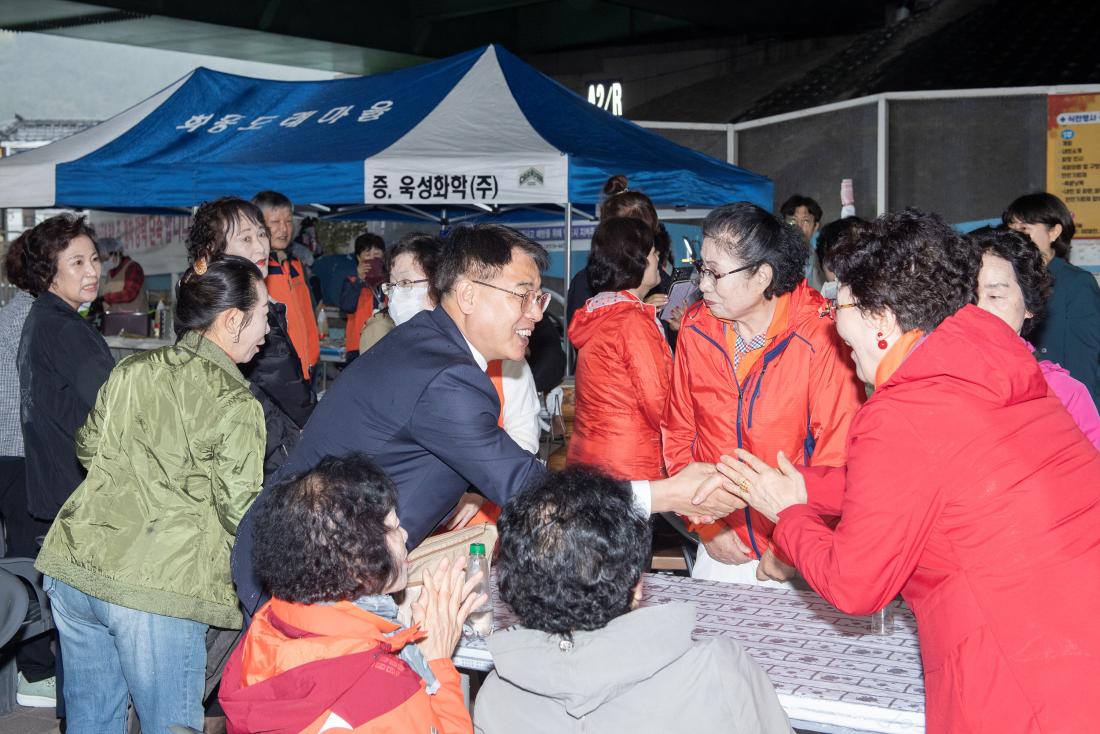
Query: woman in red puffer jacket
x=624, y=363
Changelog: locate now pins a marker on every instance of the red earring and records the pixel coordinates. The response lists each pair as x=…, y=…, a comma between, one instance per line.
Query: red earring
x=881, y=342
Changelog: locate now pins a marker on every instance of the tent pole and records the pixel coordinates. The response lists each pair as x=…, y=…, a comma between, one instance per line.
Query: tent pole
x=565, y=283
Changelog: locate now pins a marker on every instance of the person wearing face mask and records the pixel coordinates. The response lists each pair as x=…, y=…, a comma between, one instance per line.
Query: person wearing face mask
x=125, y=287
x=827, y=238
x=406, y=291
x=360, y=294
x=232, y=226
x=624, y=362
x=1015, y=285
x=137, y=563
x=1070, y=333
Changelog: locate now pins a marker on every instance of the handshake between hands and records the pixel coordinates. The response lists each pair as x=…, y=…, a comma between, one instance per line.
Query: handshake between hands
x=698, y=492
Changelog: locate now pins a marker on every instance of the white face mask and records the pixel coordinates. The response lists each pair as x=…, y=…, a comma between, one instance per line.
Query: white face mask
x=408, y=302
x=829, y=288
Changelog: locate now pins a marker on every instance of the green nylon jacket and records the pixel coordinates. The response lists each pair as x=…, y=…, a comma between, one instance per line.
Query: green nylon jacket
x=174, y=450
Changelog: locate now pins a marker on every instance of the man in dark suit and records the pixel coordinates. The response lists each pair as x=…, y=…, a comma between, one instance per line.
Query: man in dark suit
x=421, y=405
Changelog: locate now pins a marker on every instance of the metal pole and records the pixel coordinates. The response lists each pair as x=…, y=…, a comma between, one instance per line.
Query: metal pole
x=565, y=283
x=882, y=151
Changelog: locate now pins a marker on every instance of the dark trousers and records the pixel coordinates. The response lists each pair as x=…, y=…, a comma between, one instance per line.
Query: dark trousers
x=34, y=659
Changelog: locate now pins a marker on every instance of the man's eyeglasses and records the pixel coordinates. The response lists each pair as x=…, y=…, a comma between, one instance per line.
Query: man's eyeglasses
x=388, y=288
x=540, y=298
x=805, y=221
x=703, y=272
x=831, y=307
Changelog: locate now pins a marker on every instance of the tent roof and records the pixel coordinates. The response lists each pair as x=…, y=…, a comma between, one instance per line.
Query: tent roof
x=481, y=127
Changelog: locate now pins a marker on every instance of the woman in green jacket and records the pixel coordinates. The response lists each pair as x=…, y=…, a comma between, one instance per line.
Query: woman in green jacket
x=137, y=561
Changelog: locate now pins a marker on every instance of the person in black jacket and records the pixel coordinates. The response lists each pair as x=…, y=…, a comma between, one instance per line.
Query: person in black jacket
x=62, y=363
x=231, y=226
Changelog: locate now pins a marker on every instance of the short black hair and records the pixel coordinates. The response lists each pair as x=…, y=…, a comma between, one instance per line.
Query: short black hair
x=43, y=243
x=619, y=254
x=572, y=549
x=272, y=200
x=214, y=222
x=369, y=241
x=829, y=235
x=229, y=282
x=480, y=252
x=754, y=236
x=320, y=536
x=912, y=263
x=1046, y=209
x=13, y=263
x=1027, y=263
x=790, y=206
x=663, y=242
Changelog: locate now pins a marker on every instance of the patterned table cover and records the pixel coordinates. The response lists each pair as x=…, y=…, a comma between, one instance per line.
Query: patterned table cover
x=831, y=676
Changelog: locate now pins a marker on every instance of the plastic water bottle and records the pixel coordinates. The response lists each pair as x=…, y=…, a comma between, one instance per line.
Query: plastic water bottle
x=480, y=621
x=158, y=321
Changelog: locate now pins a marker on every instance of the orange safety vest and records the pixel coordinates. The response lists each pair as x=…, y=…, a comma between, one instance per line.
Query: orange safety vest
x=356, y=321
x=286, y=283
x=490, y=511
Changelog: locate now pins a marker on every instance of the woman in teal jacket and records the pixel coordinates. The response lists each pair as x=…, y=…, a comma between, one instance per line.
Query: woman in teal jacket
x=137, y=562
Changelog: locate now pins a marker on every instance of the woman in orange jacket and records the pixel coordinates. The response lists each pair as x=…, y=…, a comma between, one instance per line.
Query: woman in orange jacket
x=624, y=362
x=759, y=366
x=327, y=651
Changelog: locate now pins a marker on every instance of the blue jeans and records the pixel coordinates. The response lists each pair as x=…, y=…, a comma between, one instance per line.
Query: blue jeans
x=110, y=652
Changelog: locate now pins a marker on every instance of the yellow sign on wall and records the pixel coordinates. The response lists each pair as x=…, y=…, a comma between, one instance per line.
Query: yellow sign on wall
x=1073, y=157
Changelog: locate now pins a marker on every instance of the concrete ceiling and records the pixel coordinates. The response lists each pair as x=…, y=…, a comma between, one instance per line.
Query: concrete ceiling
x=359, y=37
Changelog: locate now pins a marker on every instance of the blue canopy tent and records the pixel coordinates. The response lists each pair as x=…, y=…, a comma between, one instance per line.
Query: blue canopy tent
x=478, y=130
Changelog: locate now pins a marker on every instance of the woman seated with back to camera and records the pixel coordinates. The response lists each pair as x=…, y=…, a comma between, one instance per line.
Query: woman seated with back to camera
x=231, y=226
x=327, y=652
x=586, y=658
x=968, y=488
x=1014, y=284
x=623, y=363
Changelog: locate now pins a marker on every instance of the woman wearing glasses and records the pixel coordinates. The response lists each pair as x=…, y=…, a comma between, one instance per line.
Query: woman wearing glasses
x=759, y=367
x=968, y=488
x=624, y=363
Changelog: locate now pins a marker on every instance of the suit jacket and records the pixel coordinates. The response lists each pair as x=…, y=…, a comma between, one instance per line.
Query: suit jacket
x=421, y=406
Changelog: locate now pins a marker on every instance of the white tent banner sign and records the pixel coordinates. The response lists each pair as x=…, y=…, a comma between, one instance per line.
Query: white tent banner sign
x=479, y=180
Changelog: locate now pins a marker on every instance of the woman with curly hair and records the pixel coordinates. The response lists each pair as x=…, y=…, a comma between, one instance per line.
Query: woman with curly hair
x=1014, y=284
x=62, y=360
x=327, y=651
x=231, y=226
x=573, y=549
x=758, y=366
x=968, y=489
